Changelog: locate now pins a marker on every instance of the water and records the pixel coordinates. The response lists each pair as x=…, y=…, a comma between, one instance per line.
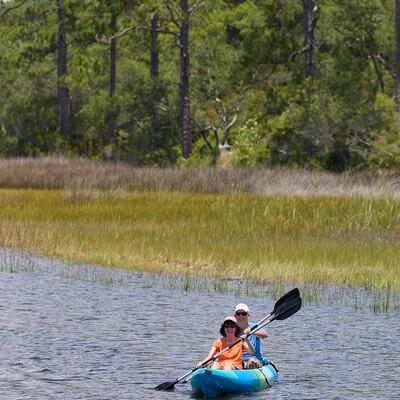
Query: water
x=72, y=332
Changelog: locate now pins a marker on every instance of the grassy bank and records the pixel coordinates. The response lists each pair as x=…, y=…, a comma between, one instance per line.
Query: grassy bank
x=342, y=240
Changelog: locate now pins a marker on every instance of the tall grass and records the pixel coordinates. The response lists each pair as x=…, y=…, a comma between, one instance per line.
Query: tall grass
x=317, y=240
x=81, y=177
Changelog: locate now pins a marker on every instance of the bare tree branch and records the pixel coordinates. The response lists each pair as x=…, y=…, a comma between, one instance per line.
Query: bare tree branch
x=223, y=109
x=107, y=39
x=195, y=6
x=296, y=53
x=204, y=130
x=237, y=111
x=172, y=14
x=385, y=64
x=8, y=9
x=168, y=32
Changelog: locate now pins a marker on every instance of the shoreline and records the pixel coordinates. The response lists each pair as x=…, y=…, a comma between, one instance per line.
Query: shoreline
x=356, y=297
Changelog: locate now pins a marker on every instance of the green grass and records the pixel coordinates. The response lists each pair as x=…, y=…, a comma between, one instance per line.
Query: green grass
x=341, y=240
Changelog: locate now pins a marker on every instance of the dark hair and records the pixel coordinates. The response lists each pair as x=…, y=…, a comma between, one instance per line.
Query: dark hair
x=238, y=331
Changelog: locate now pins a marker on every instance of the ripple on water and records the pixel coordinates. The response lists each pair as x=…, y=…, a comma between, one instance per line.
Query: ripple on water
x=72, y=332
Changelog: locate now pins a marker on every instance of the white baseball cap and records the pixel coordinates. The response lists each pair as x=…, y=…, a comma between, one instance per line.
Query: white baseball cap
x=242, y=307
x=231, y=318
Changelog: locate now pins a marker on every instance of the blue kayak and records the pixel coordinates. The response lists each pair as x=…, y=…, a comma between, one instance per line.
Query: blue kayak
x=214, y=382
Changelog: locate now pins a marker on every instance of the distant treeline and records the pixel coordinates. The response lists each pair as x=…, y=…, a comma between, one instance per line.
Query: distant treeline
x=293, y=83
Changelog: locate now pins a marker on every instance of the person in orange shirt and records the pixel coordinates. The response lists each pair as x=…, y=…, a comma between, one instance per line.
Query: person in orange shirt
x=232, y=358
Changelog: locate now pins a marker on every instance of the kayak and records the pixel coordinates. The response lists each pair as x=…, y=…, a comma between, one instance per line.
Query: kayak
x=214, y=382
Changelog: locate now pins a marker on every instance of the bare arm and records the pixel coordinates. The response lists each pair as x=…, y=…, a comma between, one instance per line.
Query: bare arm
x=210, y=355
x=262, y=334
x=248, y=346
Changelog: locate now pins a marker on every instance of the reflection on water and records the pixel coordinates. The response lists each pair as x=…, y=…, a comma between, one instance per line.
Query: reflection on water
x=72, y=332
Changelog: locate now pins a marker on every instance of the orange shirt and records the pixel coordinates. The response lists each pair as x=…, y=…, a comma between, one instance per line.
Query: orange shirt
x=233, y=355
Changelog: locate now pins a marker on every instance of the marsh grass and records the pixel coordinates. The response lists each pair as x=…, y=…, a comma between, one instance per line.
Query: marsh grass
x=377, y=300
x=246, y=225
x=314, y=240
x=12, y=262
x=359, y=298
x=83, y=178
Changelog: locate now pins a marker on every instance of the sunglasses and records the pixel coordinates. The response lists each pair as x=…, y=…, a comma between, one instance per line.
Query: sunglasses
x=242, y=313
x=229, y=326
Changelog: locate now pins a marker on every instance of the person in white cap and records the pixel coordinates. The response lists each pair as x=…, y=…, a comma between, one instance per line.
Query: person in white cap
x=232, y=358
x=242, y=314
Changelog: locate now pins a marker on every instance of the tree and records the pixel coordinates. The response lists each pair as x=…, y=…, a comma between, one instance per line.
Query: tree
x=184, y=81
x=310, y=21
x=114, y=9
x=154, y=72
x=28, y=84
x=180, y=18
x=111, y=131
x=62, y=72
x=397, y=24
x=227, y=75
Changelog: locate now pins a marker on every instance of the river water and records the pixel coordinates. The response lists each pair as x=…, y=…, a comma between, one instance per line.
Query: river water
x=74, y=332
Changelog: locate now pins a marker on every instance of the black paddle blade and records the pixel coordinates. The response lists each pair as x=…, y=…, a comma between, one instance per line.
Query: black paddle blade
x=287, y=309
x=294, y=293
x=165, y=386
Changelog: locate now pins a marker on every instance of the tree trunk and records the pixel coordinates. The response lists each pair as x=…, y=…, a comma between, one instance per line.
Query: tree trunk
x=62, y=71
x=184, y=82
x=397, y=82
x=309, y=25
x=112, y=83
x=154, y=72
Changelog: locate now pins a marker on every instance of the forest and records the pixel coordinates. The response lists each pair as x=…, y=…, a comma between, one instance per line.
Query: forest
x=272, y=83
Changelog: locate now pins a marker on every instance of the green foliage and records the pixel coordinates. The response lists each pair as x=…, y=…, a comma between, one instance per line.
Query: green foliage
x=202, y=154
x=247, y=83
x=324, y=132
x=249, y=146
x=385, y=146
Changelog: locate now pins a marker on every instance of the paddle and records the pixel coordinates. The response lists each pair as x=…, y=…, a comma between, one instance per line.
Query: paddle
x=282, y=308
x=286, y=306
